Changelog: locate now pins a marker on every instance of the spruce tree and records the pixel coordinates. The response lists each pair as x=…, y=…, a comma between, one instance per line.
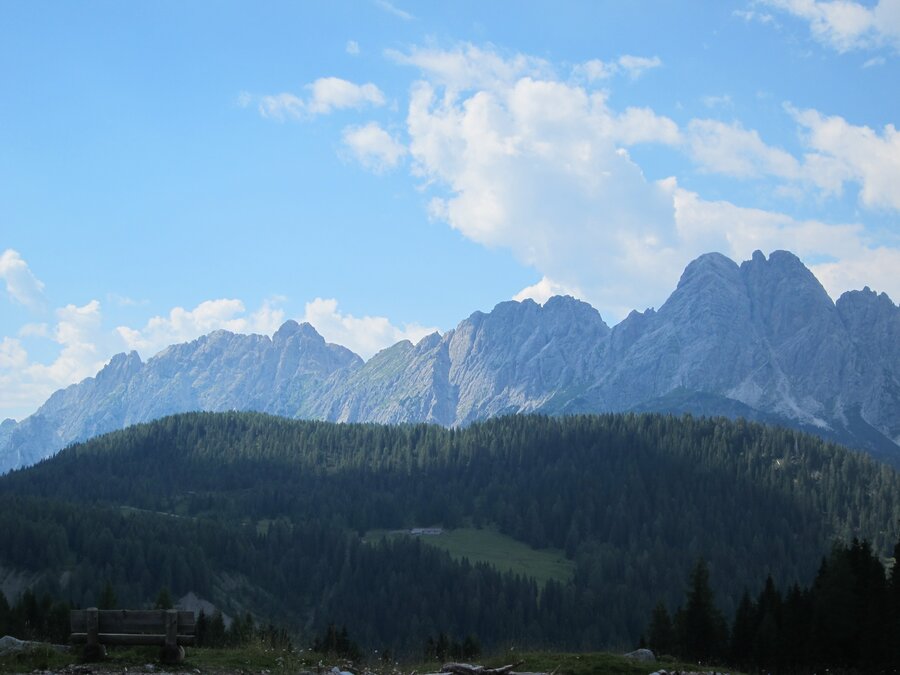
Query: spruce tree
x=662, y=635
x=701, y=627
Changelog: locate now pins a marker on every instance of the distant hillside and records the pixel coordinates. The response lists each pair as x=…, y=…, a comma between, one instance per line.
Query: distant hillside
x=761, y=340
x=264, y=514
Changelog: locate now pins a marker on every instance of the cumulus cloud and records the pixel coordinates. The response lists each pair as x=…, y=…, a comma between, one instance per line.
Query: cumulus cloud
x=515, y=157
x=373, y=147
x=333, y=93
x=862, y=266
x=843, y=151
x=845, y=25
x=364, y=335
x=12, y=354
x=182, y=325
x=854, y=259
x=545, y=289
x=21, y=285
x=536, y=165
x=835, y=153
x=83, y=348
x=326, y=94
x=733, y=150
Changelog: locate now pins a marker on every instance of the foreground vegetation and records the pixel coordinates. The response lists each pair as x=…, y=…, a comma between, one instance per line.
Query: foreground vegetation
x=267, y=516
x=259, y=657
x=847, y=619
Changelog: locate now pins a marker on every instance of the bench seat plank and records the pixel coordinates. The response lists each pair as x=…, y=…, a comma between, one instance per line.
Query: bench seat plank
x=137, y=639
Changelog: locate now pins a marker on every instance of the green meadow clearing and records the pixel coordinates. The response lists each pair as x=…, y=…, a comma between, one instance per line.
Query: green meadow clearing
x=498, y=550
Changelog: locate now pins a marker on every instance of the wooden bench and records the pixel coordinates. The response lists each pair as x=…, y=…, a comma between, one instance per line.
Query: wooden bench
x=169, y=628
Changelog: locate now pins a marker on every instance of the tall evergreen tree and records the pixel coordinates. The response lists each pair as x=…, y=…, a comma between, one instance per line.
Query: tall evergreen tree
x=661, y=637
x=700, y=626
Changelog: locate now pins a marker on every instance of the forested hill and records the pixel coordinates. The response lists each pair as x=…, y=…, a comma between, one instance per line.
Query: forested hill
x=265, y=514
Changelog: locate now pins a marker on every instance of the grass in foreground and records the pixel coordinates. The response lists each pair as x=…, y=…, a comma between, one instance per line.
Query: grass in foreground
x=258, y=658
x=498, y=550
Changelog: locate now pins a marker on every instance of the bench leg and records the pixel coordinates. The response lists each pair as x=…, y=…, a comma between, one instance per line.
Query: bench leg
x=171, y=652
x=93, y=650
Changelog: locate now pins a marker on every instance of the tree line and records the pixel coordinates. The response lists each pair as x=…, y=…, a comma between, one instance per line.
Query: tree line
x=268, y=513
x=847, y=619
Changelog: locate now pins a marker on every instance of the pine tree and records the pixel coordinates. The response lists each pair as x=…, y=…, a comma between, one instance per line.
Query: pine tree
x=163, y=599
x=108, y=598
x=701, y=628
x=662, y=635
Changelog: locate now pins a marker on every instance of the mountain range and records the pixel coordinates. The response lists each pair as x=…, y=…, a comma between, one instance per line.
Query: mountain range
x=760, y=340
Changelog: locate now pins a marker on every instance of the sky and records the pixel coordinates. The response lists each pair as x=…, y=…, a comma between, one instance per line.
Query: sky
x=382, y=169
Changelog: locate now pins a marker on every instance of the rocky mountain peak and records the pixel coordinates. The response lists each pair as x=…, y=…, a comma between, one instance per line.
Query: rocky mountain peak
x=709, y=268
x=785, y=296
x=761, y=339
x=121, y=366
x=291, y=329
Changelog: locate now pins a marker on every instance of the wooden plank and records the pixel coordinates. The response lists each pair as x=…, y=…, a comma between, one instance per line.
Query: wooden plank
x=91, y=618
x=142, y=639
x=171, y=628
x=131, y=621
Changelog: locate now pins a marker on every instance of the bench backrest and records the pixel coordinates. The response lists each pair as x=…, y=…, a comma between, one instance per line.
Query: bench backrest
x=118, y=625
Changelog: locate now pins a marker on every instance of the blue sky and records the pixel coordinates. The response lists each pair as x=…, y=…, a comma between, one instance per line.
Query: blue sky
x=382, y=169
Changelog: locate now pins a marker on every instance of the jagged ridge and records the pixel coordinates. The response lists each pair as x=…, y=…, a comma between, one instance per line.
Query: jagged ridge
x=760, y=340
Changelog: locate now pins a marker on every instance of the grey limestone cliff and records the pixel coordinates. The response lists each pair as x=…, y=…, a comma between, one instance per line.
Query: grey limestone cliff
x=761, y=340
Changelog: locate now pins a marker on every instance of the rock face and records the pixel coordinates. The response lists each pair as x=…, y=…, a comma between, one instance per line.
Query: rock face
x=761, y=340
x=217, y=372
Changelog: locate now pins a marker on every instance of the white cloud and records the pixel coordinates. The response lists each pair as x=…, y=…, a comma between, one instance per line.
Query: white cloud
x=392, y=9
x=365, y=335
x=594, y=70
x=545, y=289
x=845, y=25
x=23, y=287
x=83, y=349
x=352, y=47
x=515, y=158
x=635, y=66
x=470, y=67
x=738, y=231
x=326, y=95
x=855, y=260
x=12, y=354
x=720, y=101
x=333, y=93
x=632, y=66
x=842, y=151
x=874, y=61
x=183, y=325
x=730, y=149
x=281, y=106
x=642, y=125
x=373, y=147
x=750, y=15
x=34, y=330
x=874, y=267
x=535, y=165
